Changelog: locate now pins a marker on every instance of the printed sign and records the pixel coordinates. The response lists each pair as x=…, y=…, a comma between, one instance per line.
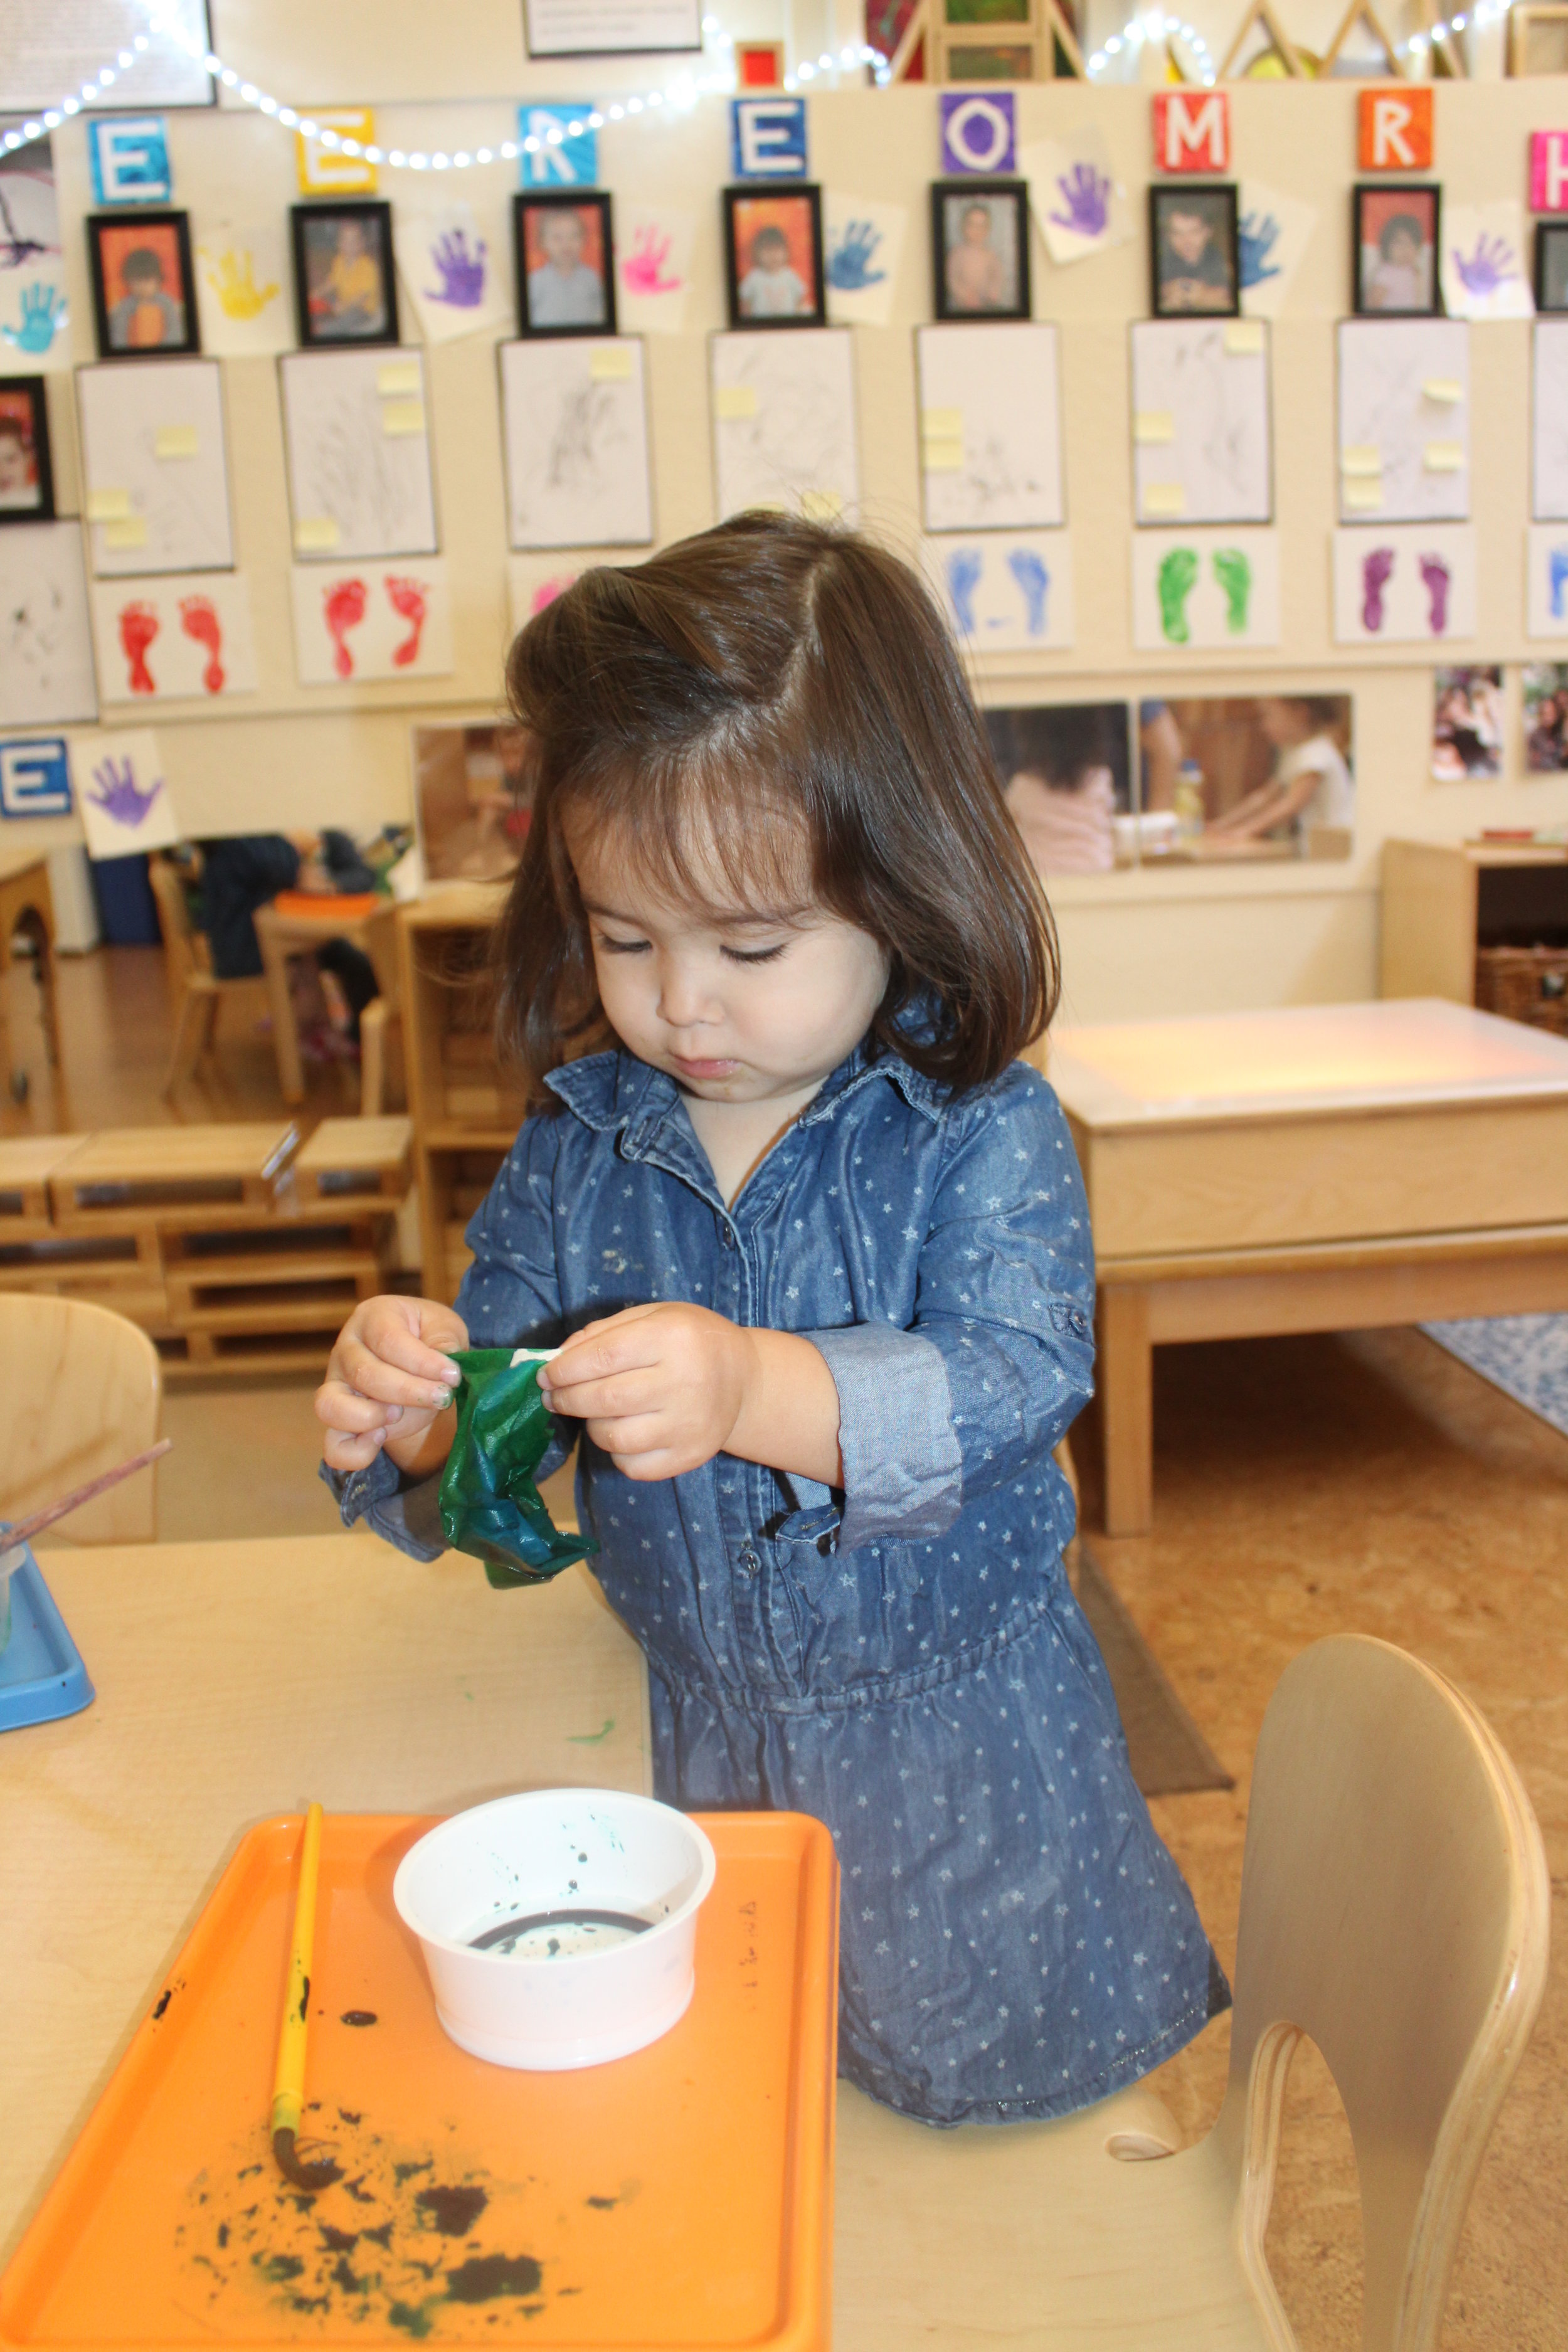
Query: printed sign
x=129, y=154
x=767, y=138
x=35, y=776
x=1549, y=171
x=560, y=162
x=1191, y=131
x=978, y=134
x=1396, y=130
x=324, y=171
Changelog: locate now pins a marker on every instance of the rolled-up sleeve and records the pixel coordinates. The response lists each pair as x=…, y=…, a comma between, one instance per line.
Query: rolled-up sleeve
x=405, y=1512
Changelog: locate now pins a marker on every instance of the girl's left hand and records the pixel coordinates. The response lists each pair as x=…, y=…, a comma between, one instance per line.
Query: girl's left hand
x=660, y=1388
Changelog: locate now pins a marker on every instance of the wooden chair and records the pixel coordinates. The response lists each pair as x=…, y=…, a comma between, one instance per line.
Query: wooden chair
x=81, y=1389
x=1394, y=1906
x=195, y=988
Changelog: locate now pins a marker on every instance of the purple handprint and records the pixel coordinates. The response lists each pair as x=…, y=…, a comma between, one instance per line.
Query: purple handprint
x=1375, y=571
x=462, y=273
x=1438, y=578
x=118, y=794
x=1086, y=195
x=1490, y=267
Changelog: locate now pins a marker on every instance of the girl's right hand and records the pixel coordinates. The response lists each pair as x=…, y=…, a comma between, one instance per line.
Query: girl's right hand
x=387, y=1386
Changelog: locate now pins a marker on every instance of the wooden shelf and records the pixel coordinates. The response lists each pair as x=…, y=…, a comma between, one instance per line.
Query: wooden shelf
x=1442, y=900
x=465, y=1115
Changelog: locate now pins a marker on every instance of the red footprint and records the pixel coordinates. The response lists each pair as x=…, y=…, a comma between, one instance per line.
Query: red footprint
x=198, y=618
x=138, y=627
x=408, y=599
x=344, y=611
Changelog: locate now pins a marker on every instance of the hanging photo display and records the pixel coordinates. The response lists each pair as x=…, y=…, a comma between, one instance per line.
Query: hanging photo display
x=565, y=263
x=346, y=288
x=1395, y=255
x=1194, y=251
x=773, y=247
x=26, y=478
x=980, y=248
x=144, y=292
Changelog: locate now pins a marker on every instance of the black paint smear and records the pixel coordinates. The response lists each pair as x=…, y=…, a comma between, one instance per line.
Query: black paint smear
x=338, y=2241
x=164, y=1997
x=358, y=2017
x=344, y=2277
x=402, y=2172
x=508, y=1932
x=490, y=2275
x=412, y=2317
x=382, y=2237
x=602, y=2204
x=280, y=2268
x=310, y=2302
x=453, y=2211
x=305, y=2001
x=356, y=2190
x=346, y=2115
x=248, y=2172
x=222, y=2233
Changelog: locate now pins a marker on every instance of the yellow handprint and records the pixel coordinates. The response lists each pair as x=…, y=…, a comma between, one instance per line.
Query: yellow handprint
x=234, y=284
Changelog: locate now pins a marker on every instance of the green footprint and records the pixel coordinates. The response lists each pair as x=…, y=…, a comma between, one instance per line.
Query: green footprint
x=1234, y=572
x=1178, y=578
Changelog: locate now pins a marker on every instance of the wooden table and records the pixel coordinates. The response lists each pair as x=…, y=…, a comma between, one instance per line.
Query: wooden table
x=281, y=932
x=1310, y=1169
x=27, y=904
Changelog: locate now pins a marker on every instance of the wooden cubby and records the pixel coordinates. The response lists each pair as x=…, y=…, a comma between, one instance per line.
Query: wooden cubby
x=1441, y=902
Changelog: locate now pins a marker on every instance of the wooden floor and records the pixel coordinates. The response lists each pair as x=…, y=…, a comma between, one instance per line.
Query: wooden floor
x=1303, y=1486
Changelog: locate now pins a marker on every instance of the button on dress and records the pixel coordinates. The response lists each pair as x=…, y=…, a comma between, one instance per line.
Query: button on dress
x=904, y=1659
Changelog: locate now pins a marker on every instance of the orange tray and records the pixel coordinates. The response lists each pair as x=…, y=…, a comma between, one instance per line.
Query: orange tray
x=343, y=905
x=680, y=2197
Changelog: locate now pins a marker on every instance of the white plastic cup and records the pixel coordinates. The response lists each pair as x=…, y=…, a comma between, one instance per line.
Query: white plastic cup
x=563, y=1851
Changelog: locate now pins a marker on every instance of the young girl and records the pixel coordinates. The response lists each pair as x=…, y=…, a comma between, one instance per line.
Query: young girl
x=817, y=1248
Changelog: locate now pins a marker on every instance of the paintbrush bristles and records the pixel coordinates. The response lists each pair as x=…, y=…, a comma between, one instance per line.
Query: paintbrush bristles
x=34, y=1524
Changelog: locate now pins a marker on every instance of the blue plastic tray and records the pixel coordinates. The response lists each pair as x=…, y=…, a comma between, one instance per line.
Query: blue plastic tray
x=41, y=1672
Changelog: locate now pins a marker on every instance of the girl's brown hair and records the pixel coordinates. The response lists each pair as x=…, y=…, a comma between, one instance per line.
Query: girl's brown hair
x=780, y=702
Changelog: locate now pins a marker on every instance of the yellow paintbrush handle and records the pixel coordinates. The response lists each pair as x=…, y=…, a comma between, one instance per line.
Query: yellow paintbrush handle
x=288, y=2085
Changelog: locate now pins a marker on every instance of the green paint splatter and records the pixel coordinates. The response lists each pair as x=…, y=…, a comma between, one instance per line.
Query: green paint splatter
x=592, y=1739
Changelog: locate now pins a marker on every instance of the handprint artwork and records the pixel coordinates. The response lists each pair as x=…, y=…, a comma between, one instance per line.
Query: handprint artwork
x=1483, y=270
x=174, y=639
x=460, y=270
x=864, y=241
x=850, y=260
x=119, y=795
x=1076, y=205
x=242, y=282
x=1085, y=201
x=42, y=316
x=447, y=258
x=1256, y=237
x=363, y=623
x=646, y=269
x=127, y=806
x=233, y=283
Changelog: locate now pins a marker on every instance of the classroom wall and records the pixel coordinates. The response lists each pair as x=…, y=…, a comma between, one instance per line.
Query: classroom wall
x=1167, y=940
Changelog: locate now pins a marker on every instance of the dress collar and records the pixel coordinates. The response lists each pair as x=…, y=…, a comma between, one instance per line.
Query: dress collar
x=614, y=1091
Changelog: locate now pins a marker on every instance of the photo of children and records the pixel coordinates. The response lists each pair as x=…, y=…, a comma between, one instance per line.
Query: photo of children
x=775, y=258
x=142, y=286
x=1466, y=723
x=1192, y=237
x=1396, y=252
x=1551, y=266
x=1265, y=775
x=1067, y=771
x=1546, y=717
x=564, y=251
x=470, y=802
x=982, y=253
x=343, y=257
x=27, y=491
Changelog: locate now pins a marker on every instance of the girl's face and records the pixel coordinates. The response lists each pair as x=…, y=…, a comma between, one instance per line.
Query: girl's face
x=736, y=1006
x=1283, y=721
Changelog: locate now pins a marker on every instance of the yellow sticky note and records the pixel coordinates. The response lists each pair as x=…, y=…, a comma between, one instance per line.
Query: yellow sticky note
x=1363, y=459
x=1243, y=337
x=943, y=456
x=397, y=376
x=942, y=423
x=403, y=416
x=1164, y=499
x=108, y=506
x=1444, y=389
x=129, y=530
x=1443, y=457
x=1360, y=492
x=735, y=400
x=1151, y=424
x=821, y=506
x=174, y=441
x=610, y=363
x=317, y=531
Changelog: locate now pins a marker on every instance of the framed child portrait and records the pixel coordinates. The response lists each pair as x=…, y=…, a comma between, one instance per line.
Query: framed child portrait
x=345, y=291
x=566, y=262
x=26, y=478
x=144, y=292
x=773, y=256
x=980, y=246
x=1195, y=251
x=1551, y=266
x=1395, y=251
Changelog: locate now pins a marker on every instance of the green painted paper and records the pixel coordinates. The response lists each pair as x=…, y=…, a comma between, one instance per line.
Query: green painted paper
x=490, y=1507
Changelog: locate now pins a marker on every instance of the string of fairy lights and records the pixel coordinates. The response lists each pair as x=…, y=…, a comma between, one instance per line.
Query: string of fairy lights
x=680, y=94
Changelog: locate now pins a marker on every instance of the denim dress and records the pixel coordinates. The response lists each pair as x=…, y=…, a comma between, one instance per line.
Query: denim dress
x=902, y=1659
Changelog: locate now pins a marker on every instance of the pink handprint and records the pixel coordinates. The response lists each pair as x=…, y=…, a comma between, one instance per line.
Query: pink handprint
x=643, y=270
x=198, y=618
x=408, y=599
x=1375, y=571
x=1437, y=580
x=548, y=590
x=138, y=627
x=344, y=610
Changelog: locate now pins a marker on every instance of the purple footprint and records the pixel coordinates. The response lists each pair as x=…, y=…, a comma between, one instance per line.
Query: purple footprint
x=1438, y=580
x=1374, y=571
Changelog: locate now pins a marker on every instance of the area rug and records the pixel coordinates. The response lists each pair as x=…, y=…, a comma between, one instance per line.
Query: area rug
x=1169, y=1754
x=1526, y=1356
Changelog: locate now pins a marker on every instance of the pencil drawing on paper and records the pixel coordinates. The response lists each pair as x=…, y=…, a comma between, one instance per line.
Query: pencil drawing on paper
x=176, y=506
x=1200, y=431
x=45, y=647
x=784, y=422
x=989, y=427
x=1404, y=426
x=353, y=464
x=1550, y=421
x=576, y=443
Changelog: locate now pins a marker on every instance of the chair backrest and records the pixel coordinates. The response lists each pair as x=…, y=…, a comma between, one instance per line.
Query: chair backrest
x=1394, y=1906
x=81, y=1389
x=184, y=947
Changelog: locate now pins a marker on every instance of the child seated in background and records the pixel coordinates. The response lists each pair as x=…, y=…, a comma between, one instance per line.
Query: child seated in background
x=1059, y=783
x=330, y=986
x=1310, y=785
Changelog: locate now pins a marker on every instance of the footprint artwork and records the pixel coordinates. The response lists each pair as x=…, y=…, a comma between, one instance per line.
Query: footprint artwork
x=1437, y=580
x=408, y=598
x=1557, y=579
x=1375, y=570
x=138, y=626
x=1033, y=582
x=344, y=610
x=1176, y=579
x=199, y=620
x=964, y=566
x=1234, y=572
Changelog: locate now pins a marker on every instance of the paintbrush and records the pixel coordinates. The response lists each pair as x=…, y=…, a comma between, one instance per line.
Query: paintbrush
x=289, y=2082
x=11, y=1538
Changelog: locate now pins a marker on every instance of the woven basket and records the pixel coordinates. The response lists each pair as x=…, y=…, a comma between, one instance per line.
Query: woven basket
x=1524, y=985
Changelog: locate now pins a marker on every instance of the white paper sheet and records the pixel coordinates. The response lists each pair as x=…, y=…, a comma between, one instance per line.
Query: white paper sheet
x=1079, y=207
x=369, y=621
x=154, y=466
x=1198, y=590
x=532, y=582
x=35, y=315
x=783, y=421
x=864, y=242
x=575, y=426
x=653, y=267
x=1486, y=261
x=125, y=805
x=990, y=428
x=1201, y=438
x=360, y=483
x=1005, y=592
x=1275, y=230
x=1404, y=412
x=189, y=635
x=454, y=268
x=1412, y=585
x=1549, y=438
x=243, y=288
x=46, y=636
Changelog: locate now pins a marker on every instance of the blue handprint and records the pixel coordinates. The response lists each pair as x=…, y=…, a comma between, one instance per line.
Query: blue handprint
x=43, y=314
x=1034, y=581
x=849, y=264
x=118, y=794
x=462, y=273
x=1086, y=195
x=964, y=566
x=1256, y=239
x=1490, y=267
x=1557, y=579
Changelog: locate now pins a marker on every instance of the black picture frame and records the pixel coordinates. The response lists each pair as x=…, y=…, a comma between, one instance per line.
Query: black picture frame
x=111, y=239
x=317, y=329
x=1552, y=245
x=769, y=197
x=542, y=310
x=1428, y=194
x=22, y=402
x=967, y=196
x=1217, y=204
